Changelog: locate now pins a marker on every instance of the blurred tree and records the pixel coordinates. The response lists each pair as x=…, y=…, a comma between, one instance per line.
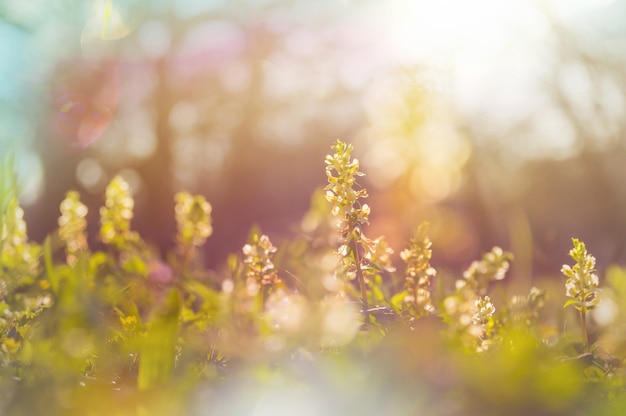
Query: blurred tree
x=239, y=101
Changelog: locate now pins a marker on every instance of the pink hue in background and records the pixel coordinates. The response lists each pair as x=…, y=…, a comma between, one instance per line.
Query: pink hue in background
x=84, y=101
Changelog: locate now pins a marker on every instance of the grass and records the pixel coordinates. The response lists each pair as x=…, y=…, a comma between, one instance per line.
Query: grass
x=317, y=327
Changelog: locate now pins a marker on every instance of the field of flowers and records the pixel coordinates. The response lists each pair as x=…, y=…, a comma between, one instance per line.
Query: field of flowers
x=324, y=324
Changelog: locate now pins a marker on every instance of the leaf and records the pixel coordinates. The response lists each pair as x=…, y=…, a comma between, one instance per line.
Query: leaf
x=201, y=290
x=159, y=349
x=398, y=300
x=233, y=265
x=8, y=182
x=96, y=260
x=135, y=264
x=53, y=278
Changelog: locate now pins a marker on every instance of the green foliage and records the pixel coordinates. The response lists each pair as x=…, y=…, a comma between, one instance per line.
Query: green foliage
x=124, y=331
x=158, y=352
x=8, y=182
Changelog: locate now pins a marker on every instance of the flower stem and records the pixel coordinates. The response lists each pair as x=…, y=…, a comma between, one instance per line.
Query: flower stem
x=583, y=322
x=359, y=275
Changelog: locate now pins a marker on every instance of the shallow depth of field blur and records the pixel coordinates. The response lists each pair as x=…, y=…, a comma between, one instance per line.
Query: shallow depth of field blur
x=501, y=123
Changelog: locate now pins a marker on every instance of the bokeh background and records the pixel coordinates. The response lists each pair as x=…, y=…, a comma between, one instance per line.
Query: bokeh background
x=500, y=122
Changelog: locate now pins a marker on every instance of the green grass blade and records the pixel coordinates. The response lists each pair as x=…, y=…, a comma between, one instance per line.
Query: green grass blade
x=158, y=353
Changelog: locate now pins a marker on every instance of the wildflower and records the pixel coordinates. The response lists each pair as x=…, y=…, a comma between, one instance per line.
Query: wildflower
x=492, y=267
x=378, y=253
x=193, y=217
x=72, y=226
x=582, y=284
x=484, y=310
x=342, y=172
x=11, y=345
x=13, y=230
x=15, y=249
x=116, y=214
x=258, y=260
x=343, y=194
x=250, y=293
x=129, y=322
x=469, y=311
x=582, y=281
x=418, y=272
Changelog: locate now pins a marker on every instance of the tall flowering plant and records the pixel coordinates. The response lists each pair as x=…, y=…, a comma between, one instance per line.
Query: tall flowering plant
x=581, y=286
x=116, y=214
x=73, y=226
x=470, y=311
x=418, y=273
x=344, y=194
x=193, y=221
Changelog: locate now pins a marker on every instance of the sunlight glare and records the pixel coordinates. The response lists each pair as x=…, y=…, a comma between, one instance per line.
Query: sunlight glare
x=105, y=22
x=569, y=7
x=436, y=31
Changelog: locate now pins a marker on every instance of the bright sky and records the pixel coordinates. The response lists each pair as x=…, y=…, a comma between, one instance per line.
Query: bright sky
x=494, y=58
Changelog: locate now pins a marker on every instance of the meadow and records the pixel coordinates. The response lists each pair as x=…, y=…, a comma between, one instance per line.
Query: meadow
x=322, y=324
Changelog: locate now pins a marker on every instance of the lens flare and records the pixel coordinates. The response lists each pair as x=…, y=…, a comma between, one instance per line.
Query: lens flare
x=106, y=22
x=84, y=102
